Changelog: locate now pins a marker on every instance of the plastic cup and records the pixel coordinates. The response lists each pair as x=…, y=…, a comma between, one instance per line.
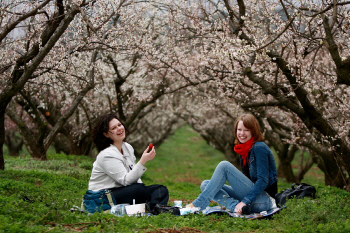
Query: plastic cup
x=119, y=210
x=178, y=203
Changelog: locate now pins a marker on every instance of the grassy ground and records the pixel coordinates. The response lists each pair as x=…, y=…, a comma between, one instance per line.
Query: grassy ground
x=36, y=196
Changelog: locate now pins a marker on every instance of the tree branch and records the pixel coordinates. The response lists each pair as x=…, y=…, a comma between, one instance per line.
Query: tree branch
x=10, y=26
x=285, y=29
x=12, y=88
x=342, y=67
x=63, y=119
x=261, y=104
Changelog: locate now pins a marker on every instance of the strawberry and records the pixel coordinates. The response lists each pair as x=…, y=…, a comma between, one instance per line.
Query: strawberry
x=150, y=146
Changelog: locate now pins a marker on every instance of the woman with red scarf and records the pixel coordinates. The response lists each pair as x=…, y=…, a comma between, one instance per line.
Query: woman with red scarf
x=253, y=189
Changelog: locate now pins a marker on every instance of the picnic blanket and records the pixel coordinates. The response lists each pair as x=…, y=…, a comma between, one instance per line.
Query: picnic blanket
x=219, y=210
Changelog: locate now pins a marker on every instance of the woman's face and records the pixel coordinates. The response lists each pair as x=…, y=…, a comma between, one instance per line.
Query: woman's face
x=243, y=134
x=116, y=131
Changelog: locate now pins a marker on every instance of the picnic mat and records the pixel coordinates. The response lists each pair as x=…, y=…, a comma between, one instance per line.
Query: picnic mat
x=220, y=210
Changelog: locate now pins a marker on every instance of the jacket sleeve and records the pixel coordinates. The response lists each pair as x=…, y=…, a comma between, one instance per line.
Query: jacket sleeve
x=262, y=166
x=116, y=169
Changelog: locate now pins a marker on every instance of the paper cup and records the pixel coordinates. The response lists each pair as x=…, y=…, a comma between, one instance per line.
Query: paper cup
x=178, y=204
x=135, y=209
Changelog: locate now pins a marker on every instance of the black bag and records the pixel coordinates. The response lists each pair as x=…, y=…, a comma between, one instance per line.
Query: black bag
x=298, y=191
x=158, y=209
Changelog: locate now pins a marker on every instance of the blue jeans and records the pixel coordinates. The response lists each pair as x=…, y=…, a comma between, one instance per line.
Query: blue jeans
x=229, y=196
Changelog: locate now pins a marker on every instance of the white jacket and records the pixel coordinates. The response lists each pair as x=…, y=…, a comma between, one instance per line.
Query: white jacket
x=113, y=169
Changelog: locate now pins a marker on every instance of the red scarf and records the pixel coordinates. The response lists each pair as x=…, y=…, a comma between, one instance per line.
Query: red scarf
x=243, y=149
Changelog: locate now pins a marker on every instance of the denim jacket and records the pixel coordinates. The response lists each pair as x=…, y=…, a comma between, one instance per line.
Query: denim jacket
x=262, y=170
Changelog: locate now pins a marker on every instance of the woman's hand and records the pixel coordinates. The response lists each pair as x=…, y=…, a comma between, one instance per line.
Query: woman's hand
x=147, y=156
x=239, y=207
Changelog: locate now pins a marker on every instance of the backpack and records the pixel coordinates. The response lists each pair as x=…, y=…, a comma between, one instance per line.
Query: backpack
x=98, y=201
x=297, y=191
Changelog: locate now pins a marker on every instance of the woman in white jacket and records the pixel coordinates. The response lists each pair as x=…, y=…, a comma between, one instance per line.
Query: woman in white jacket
x=116, y=169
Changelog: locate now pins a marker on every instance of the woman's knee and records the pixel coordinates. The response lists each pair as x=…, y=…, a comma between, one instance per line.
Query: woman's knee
x=164, y=190
x=204, y=184
x=225, y=164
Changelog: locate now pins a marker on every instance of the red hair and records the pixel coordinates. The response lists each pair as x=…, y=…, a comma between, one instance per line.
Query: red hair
x=251, y=123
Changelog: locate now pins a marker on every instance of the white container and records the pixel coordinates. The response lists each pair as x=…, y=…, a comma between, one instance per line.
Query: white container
x=135, y=209
x=178, y=203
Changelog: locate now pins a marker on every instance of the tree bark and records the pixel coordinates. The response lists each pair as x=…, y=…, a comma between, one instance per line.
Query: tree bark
x=2, y=137
x=13, y=142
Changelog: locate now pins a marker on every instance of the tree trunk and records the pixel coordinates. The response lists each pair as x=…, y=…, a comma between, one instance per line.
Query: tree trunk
x=83, y=147
x=36, y=151
x=35, y=148
x=285, y=157
x=303, y=169
x=333, y=175
x=61, y=144
x=2, y=137
x=13, y=143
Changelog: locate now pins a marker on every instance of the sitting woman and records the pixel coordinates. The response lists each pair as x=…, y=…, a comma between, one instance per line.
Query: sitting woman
x=252, y=191
x=115, y=168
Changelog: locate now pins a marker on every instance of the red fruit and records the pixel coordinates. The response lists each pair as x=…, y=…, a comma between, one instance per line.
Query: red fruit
x=150, y=146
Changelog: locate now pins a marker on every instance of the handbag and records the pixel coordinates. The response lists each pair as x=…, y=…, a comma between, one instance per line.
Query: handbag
x=98, y=201
x=297, y=191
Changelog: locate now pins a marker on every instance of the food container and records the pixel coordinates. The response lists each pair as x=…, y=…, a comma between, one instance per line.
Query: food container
x=178, y=203
x=135, y=209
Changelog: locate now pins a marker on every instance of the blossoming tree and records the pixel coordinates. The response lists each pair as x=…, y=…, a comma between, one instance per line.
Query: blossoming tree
x=31, y=53
x=287, y=62
x=288, y=58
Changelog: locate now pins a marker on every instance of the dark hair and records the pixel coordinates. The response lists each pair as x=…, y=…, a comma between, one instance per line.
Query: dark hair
x=251, y=123
x=102, y=126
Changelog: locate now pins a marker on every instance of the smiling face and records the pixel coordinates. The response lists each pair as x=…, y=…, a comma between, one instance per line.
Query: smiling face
x=243, y=134
x=116, y=131
x=249, y=122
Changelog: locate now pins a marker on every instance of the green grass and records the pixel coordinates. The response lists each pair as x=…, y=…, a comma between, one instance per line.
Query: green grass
x=182, y=162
